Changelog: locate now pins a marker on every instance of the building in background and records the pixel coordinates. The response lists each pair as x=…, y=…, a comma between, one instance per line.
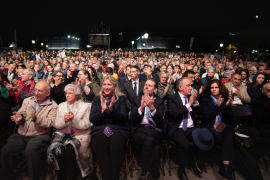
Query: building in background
x=99, y=36
x=160, y=42
x=55, y=43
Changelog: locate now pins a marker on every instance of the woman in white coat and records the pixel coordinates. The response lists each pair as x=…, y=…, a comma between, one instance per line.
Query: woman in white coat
x=69, y=150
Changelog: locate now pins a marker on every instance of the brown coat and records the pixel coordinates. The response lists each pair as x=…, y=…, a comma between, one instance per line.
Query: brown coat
x=45, y=116
x=243, y=91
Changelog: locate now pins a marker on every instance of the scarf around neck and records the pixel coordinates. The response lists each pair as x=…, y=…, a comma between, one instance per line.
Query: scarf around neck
x=107, y=99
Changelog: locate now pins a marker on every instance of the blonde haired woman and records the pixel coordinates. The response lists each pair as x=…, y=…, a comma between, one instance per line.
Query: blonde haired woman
x=109, y=131
x=69, y=151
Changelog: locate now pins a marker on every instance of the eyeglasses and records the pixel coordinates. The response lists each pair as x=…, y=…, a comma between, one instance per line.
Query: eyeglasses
x=37, y=91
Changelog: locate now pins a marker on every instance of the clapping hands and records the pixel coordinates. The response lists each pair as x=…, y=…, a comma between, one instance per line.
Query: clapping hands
x=69, y=116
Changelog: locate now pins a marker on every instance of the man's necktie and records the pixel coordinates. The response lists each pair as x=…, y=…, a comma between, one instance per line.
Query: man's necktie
x=185, y=118
x=150, y=120
x=135, y=89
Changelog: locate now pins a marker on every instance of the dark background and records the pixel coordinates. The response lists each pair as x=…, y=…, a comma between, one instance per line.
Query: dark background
x=201, y=19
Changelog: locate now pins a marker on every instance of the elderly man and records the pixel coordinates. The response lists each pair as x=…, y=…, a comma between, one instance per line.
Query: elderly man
x=34, y=118
x=261, y=106
x=207, y=67
x=182, y=121
x=237, y=91
x=10, y=72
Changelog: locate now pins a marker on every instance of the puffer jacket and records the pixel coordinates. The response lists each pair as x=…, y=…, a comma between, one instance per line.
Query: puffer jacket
x=45, y=115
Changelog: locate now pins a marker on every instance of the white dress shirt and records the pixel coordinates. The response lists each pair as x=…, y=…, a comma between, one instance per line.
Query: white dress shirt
x=137, y=85
x=190, y=123
x=145, y=119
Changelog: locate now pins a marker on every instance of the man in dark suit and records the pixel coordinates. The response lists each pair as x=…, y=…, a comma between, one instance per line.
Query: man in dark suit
x=260, y=107
x=134, y=87
x=182, y=121
x=190, y=74
x=147, y=125
x=125, y=78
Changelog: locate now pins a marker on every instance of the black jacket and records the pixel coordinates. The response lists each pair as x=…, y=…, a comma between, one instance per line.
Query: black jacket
x=254, y=92
x=115, y=119
x=144, y=77
x=261, y=107
x=74, y=76
x=176, y=112
x=58, y=93
x=210, y=110
x=136, y=118
x=128, y=91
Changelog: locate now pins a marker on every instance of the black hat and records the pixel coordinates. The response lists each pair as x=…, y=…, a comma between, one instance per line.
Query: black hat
x=203, y=138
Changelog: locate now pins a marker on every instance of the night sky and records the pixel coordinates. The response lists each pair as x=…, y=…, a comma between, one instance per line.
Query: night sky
x=169, y=18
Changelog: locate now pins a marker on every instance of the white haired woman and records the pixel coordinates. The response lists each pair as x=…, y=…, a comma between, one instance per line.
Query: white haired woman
x=69, y=150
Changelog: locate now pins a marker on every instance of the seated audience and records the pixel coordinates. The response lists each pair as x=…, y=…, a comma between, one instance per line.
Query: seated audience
x=237, y=91
x=245, y=77
x=109, y=131
x=88, y=88
x=254, y=89
x=134, y=87
x=35, y=119
x=146, y=127
x=260, y=107
x=227, y=76
x=5, y=102
x=57, y=87
x=210, y=75
x=182, y=121
x=70, y=146
x=216, y=110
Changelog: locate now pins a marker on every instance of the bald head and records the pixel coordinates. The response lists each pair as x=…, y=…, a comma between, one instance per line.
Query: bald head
x=73, y=67
x=42, y=91
x=11, y=68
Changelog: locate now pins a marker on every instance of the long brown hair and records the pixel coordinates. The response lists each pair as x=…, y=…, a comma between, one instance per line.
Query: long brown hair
x=255, y=78
x=222, y=89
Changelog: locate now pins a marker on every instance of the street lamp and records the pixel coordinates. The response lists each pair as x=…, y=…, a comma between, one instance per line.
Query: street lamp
x=221, y=45
x=88, y=46
x=132, y=42
x=68, y=36
x=33, y=42
x=72, y=37
x=78, y=39
x=42, y=44
x=146, y=37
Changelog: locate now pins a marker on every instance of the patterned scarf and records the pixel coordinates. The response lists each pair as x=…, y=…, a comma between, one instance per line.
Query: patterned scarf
x=107, y=99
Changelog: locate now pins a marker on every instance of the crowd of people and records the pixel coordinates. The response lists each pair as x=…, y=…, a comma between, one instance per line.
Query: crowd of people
x=63, y=100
